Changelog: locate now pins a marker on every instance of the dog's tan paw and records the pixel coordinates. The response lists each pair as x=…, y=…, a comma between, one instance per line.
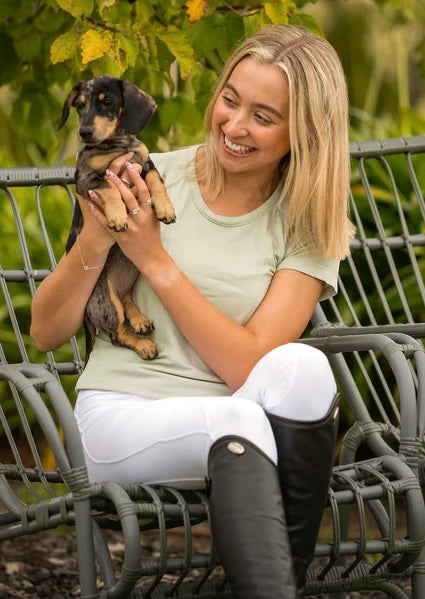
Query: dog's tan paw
x=118, y=224
x=165, y=214
x=141, y=324
x=146, y=349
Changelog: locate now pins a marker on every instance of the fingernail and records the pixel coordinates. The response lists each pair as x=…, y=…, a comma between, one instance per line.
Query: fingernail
x=129, y=166
x=130, y=154
x=110, y=174
x=92, y=194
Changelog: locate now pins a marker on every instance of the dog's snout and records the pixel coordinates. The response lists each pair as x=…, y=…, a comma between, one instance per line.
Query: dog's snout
x=86, y=133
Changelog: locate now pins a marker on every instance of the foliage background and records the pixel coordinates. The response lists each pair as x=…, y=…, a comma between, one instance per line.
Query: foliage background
x=174, y=49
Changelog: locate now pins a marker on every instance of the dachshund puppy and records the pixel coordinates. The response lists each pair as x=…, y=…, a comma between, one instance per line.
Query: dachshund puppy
x=112, y=111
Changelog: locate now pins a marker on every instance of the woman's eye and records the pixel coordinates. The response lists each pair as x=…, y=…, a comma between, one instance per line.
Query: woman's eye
x=264, y=120
x=229, y=101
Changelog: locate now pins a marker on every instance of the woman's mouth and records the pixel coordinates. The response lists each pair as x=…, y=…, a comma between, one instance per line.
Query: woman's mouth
x=237, y=148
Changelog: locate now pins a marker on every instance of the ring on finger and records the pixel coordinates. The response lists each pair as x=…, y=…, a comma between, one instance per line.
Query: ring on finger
x=135, y=211
x=129, y=184
x=146, y=203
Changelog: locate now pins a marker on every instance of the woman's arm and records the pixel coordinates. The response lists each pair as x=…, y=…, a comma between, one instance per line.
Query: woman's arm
x=230, y=350
x=58, y=306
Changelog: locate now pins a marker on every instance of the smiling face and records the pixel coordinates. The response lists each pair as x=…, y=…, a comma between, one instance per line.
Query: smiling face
x=250, y=120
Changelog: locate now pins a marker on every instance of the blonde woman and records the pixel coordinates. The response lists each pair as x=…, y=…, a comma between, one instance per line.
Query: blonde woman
x=261, y=227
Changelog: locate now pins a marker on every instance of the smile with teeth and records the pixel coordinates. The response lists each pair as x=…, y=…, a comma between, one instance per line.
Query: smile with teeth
x=236, y=147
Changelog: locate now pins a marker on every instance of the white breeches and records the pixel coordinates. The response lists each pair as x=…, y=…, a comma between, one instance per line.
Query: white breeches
x=131, y=438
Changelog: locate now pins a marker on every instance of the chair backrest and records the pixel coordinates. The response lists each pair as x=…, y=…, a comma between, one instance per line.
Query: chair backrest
x=382, y=281
x=35, y=208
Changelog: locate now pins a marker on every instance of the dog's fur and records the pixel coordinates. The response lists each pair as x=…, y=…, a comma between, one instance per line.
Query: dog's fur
x=112, y=111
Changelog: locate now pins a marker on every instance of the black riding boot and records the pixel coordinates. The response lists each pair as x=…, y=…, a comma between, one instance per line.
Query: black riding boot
x=248, y=523
x=306, y=453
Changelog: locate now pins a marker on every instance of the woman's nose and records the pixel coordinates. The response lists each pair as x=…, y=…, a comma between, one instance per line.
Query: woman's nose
x=237, y=125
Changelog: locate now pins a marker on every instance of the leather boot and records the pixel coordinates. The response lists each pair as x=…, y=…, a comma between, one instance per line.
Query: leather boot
x=247, y=521
x=306, y=452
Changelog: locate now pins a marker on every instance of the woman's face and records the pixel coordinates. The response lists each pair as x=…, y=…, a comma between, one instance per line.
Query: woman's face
x=250, y=119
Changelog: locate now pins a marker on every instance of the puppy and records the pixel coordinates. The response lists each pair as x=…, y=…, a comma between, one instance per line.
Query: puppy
x=112, y=111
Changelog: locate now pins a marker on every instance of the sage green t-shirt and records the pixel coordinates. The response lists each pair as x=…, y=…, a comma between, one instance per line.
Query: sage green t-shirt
x=231, y=260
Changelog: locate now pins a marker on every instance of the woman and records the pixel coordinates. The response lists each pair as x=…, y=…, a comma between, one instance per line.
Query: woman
x=261, y=226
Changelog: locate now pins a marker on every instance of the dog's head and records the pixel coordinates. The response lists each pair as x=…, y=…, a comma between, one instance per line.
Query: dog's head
x=108, y=107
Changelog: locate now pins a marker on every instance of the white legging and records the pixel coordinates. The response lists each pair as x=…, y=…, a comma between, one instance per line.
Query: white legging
x=131, y=438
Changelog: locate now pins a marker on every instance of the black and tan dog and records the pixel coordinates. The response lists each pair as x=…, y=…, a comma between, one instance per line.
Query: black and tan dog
x=112, y=111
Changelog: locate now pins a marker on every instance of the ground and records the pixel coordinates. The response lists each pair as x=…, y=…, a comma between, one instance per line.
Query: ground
x=44, y=566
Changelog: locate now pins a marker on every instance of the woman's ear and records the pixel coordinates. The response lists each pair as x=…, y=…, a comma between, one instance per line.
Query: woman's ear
x=138, y=108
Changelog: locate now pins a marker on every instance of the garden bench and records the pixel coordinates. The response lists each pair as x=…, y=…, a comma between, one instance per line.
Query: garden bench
x=373, y=530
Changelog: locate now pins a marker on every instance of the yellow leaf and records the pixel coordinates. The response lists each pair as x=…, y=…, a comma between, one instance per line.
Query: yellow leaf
x=278, y=11
x=63, y=48
x=95, y=44
x=77, y=8
x=102, y=4
x=195, y=9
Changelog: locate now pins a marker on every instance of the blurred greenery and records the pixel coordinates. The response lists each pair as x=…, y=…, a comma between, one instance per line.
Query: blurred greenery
x=174, y=49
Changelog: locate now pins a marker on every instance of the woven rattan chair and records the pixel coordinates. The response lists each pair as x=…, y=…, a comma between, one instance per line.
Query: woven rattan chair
x=43, y=479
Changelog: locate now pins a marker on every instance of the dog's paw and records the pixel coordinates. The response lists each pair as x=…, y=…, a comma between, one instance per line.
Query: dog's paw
x=141, y=324
x=146, y=349
x=165, y=214
x=117, y=226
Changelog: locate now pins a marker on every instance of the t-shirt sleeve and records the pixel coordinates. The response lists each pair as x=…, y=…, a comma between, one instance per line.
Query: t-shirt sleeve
x=313, y=265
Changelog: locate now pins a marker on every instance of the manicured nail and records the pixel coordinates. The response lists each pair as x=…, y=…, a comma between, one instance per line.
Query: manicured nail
x=93, y=194
x=129, y=166
x=110, y=174
x=130, y=155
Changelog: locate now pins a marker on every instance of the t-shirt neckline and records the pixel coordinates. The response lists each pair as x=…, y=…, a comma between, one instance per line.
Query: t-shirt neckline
x=233, y=221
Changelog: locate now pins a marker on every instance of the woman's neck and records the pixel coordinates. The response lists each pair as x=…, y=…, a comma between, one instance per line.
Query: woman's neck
x=241, y=194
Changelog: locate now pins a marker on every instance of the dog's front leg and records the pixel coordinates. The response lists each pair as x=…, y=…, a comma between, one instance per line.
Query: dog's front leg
x=161, y=203
x=140, y=323
x=113, y=207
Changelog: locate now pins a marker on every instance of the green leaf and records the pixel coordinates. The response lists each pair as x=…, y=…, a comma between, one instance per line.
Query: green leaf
x=279, y=11
x=307, y=21
x=10, y=67
x=64, y=47
x=106, y=66
x=178, y=45
x=28, y=48
x=130, y=46
x=77, y=8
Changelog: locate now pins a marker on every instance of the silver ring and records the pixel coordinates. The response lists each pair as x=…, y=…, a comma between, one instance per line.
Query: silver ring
x=129, y=184
x=135, y=211
x=147, y=203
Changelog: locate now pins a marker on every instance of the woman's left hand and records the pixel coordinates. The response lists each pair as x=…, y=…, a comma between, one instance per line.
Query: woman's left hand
x=141, y=242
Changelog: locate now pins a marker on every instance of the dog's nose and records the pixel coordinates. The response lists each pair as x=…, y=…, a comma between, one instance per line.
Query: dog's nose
x=86, y=133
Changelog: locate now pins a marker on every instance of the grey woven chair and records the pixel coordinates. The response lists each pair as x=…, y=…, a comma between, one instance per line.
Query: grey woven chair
x=385, y=539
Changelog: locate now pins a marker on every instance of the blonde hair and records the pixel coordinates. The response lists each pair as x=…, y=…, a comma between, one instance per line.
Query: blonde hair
x=316, y=171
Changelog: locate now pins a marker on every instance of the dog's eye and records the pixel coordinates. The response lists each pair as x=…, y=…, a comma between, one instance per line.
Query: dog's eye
x=107, y=101
x=79, y=105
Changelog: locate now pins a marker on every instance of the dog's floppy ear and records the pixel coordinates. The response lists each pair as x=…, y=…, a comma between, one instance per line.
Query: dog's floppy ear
x=138, y=108
x=72, y=96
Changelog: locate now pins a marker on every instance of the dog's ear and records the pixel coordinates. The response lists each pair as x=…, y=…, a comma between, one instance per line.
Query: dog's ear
x=137, y=110
x=72, y=96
